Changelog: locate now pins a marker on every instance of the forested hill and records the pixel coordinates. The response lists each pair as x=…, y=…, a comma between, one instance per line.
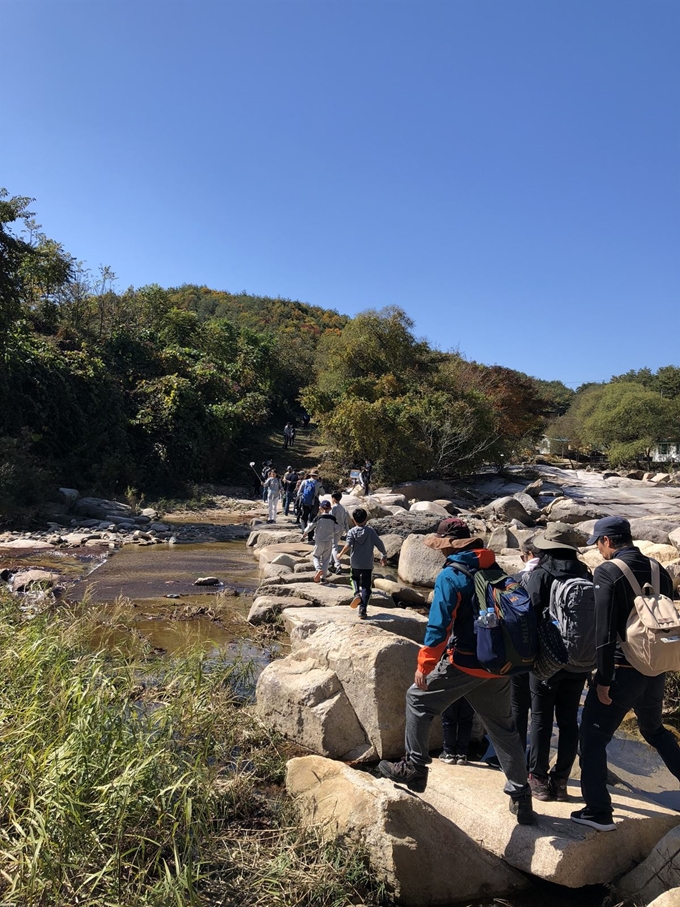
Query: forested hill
x=153, y=389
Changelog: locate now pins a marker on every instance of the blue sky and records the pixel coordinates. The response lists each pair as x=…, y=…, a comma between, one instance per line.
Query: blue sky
x=507, y=171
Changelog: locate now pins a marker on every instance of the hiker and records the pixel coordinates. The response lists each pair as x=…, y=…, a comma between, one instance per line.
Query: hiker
x=457, y=726
x=560, y=696
x=617, y=686
x=365, y=475
x=297, y=506
x=310, y=491
x=323, y=528
x=288, y=435
x=272, y=488
x=448, y=669
x=290, y=480
x=361, y=542
x=520, y=693
x=305, y=420
x=342, y=528
x=264, y=473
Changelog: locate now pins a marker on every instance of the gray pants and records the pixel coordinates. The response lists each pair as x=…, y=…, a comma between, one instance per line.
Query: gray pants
x=489, y=698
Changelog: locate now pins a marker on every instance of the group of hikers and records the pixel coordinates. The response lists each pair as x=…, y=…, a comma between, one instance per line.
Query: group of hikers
x=298, y=491
x=594, y=618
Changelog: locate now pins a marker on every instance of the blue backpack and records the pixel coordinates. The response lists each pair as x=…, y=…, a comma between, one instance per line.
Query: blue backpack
x=308, y=492
x=509, y=644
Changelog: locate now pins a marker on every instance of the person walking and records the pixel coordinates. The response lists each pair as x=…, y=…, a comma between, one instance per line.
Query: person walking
x=310, y=491
x=365, y=475
x=342, y=528
x=289, y=480
x=323, y=528
x=272, y=488
x=361, y=542
x=288, y=435
x=560, y=696
x=448, y=669
x=617, y=686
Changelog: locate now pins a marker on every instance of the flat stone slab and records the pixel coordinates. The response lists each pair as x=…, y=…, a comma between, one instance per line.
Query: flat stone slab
x=421, y=856
x=556, y=849
x=26, y=544
x=266, y=608
x=327, y=595
x=303, y=621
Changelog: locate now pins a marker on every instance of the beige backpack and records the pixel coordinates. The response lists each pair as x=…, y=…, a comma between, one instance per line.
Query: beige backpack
x=652, y=643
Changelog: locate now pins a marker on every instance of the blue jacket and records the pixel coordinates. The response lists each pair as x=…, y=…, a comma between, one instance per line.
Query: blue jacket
x=452, y=615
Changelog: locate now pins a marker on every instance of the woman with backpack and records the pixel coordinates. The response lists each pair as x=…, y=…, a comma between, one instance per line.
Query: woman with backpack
x=561, y=590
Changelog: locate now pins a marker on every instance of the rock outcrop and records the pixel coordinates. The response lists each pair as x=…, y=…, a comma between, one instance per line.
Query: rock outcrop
x=419, y=564
x=655, y=875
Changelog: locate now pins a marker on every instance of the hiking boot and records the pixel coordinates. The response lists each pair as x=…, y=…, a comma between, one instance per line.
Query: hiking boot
x=356, y=601
x=558, y=787
x=540, y=787
x=448, y=758
x=461, y=760
x=598, y=821
x=522, y=808
x=405, y=772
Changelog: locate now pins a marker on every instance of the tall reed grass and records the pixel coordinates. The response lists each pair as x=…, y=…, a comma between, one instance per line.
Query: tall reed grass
x=127, y=780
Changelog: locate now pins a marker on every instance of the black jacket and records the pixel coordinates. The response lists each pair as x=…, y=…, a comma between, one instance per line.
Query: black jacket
x=613, y=603
x=563, y=564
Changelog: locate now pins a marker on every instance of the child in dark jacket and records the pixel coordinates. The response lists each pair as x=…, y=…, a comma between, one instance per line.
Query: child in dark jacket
x=361, y=542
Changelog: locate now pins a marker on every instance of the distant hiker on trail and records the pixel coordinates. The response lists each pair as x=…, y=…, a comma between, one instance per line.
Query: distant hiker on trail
x=272, y=487
x=310, y=491
x=342, y=520
x=448, y=669
x=305, y=420
x=554, y=595
x=323, y=528
x=288, y=435
x=365, y=477
x=290, y=480
x=617, y=685
x=361, y=542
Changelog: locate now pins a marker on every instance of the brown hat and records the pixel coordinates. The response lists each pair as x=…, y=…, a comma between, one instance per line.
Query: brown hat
x=555, y=535
x=313, y=472
x=454, y=528
x=447, y=544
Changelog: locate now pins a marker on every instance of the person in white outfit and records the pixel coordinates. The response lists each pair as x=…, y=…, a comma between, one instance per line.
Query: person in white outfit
x=273, y=488
x=324, y=528
x=342, y=520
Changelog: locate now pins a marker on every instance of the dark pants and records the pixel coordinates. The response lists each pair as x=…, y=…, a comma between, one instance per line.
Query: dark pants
x=520, y=703
x=289, y=500
x=307, y=515
x=599, y=722
x=559, y=698
x=362, y=581
x=457, y=725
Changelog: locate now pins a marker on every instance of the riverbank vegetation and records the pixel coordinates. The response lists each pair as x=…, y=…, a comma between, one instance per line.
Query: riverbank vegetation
x=130, y=781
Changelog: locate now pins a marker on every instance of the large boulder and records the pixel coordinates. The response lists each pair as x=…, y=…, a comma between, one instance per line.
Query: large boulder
x=556, y=849
x=265, y=608
x=566, y=510
x=370, y=504
x=99, y=508
x=653, y=529
x=429, y=507
x=655, y=875
x=664, y=554
x=528, y=502
x=506, y=509
x=392, y=500
x=448, y=506
x=400, y=592
x=419, y=564
x=667, y=899
x=499, y=539
x=322, y=594
x=674, y=538
x=24, y=580
x=297, y=551
x=406, y=523
x=392, y=545
x=301, y=622
x=421, y=856
x=372, y=669
x=273, y=535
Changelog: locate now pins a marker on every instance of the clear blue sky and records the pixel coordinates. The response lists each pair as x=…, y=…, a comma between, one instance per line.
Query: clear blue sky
x=507, y=171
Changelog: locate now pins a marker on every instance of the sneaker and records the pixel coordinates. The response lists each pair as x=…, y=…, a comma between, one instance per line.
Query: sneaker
x=448, y=758
x=558, y=788
x=493, y=762
x=598, y=821
x=522, y=808
x=461, y=760
x=356, y=601
x=405, y=772
x=318, y=576
x=363, y=613
x=338, y=570
x=540, y=787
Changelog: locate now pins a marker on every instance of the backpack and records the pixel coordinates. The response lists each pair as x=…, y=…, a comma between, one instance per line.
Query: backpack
x=308, y=492
x=652, y=643
x=572, y=608
x=509, y=644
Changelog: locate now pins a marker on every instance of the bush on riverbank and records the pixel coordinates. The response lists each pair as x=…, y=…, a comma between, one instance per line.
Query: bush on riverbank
x=133, y=781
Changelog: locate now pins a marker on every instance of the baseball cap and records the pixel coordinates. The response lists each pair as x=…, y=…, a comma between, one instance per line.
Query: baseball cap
x=609, y=525
x=325, y=505
x=454, y=528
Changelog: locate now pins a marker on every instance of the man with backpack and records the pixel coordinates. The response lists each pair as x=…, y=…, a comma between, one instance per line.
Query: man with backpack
x=310, y=491
x=628, y=675
x=449, y=668
x=561, y=590
x=289, y=480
